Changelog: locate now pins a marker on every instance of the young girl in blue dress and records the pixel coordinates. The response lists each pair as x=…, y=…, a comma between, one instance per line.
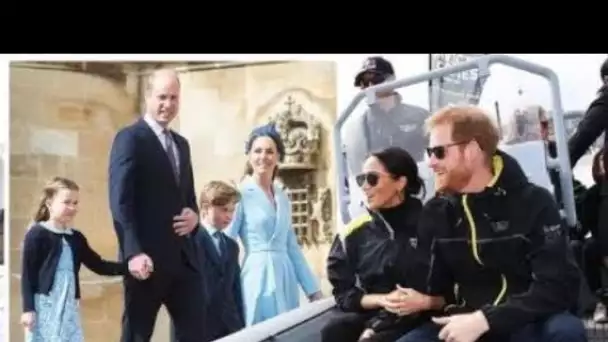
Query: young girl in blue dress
x=52, y=255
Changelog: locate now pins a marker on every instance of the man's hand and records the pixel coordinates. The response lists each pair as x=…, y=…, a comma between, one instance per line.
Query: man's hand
x=462, y=328
x=140, y=266
x=185, y=222
x=367, y=333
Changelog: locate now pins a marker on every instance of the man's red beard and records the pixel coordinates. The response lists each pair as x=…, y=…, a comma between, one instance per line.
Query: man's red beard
x=454, y=180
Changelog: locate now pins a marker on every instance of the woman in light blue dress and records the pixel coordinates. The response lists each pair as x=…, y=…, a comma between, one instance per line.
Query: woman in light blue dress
x=274, y=265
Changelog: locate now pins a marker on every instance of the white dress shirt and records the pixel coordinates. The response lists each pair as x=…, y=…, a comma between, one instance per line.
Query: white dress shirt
x=159, y=131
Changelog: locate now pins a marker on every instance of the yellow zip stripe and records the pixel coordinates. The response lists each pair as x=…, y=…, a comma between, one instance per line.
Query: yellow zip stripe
x=498, y=167
x=356, y=223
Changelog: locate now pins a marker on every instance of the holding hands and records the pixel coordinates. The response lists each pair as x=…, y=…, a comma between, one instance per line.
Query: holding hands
x=405, y=301
x=141, y=265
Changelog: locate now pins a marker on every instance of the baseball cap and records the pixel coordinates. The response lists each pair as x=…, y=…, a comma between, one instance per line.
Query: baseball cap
x=377, y=65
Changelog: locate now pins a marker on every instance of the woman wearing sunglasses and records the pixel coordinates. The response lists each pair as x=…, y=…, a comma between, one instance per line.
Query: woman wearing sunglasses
x=376, y=254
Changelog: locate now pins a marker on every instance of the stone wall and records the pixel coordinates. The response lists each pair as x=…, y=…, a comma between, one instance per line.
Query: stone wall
x=62, y=123
x=220, y=107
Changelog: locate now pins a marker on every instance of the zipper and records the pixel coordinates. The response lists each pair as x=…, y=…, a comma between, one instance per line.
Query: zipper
x=475, y=252
x=391, y=231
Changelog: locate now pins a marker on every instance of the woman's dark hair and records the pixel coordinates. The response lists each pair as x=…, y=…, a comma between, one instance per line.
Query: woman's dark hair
x=399, y=163
x=597, y=171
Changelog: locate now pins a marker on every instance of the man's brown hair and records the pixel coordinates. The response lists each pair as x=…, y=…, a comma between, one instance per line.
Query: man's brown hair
x=218, y=193
x=468, y=123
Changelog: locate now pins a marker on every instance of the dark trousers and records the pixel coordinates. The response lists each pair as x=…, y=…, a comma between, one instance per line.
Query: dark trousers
x=348, y=326
x=593, y=266
x=216, y=332
x=180, y=292
x=558, y=328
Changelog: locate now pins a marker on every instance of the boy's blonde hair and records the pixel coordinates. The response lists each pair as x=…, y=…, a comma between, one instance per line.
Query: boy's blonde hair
x=218, y=193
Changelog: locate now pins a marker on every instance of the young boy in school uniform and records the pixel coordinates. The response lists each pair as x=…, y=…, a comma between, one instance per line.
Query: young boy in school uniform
x=218, y=257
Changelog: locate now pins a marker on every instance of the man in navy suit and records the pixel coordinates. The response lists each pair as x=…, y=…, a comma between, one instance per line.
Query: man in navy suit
x=153, y=204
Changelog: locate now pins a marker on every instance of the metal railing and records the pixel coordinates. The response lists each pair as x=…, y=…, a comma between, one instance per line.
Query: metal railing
x=561, y=163
x=281, y=323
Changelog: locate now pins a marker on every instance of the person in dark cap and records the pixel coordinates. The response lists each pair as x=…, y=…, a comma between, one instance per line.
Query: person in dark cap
x=388, y=122
x=591, y=127
x=274, y=267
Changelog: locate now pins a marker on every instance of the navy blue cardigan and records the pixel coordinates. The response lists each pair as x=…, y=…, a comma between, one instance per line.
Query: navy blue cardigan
x=41, y=251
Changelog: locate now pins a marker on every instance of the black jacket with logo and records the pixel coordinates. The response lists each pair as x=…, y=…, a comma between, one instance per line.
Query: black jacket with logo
x=505, y=248
x=373, y=254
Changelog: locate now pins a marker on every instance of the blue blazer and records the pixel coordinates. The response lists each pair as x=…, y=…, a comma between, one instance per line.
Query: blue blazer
x=223, y=285
x=144, y=196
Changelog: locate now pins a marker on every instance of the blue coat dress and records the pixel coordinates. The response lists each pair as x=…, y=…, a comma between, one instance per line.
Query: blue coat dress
x=274, y=264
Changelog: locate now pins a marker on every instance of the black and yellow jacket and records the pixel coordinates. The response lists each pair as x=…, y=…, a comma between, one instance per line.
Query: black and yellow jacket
x=505, y=248
x=373, y=254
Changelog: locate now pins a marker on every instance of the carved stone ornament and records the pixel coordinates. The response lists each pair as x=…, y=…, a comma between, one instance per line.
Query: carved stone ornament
x=321, y=217
x=301, y=135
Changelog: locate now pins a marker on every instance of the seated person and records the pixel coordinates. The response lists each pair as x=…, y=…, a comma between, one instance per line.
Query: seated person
x=593, y=263
x=219, y=261
x=498, y=236
x=377, y=252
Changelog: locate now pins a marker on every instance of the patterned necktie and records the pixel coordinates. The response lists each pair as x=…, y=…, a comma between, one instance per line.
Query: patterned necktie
x=220, y=245
x=170, y=154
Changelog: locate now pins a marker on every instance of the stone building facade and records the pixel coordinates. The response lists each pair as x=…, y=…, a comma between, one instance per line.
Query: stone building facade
x=63, y=119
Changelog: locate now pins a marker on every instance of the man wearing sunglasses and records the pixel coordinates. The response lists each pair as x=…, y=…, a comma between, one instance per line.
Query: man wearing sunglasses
x=388, y=122
x=498, y=236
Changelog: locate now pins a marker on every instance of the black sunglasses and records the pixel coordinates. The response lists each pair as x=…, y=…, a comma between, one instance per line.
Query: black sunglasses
x=440, y=150
x=370, y=178
x=372, y=80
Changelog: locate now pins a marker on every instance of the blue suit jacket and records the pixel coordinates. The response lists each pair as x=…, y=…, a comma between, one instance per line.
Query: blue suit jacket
x=144, y=196
x=222, y=276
